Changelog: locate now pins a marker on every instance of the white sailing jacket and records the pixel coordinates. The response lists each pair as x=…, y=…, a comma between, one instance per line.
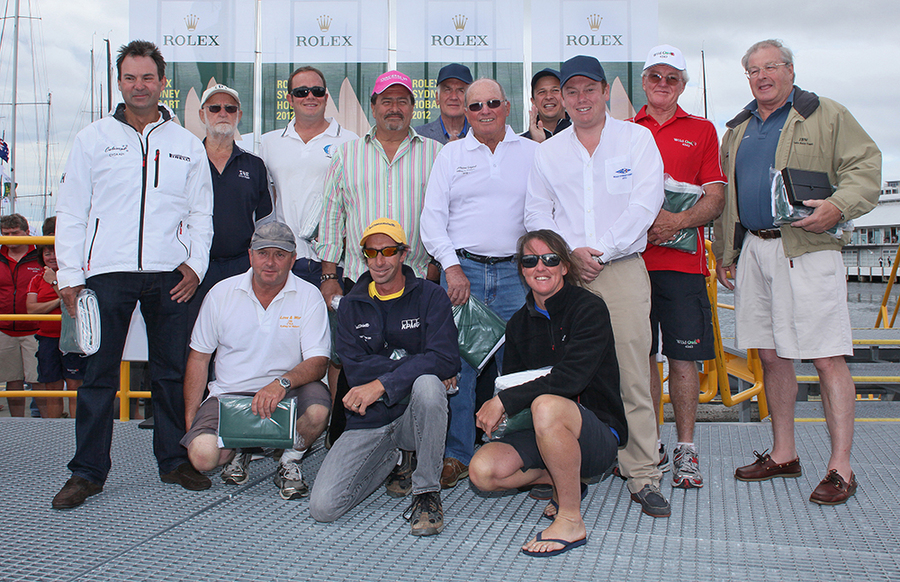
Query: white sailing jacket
x=132, y=201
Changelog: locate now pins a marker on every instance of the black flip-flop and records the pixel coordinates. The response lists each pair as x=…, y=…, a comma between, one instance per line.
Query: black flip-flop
x=584, y=489
x=566, y=546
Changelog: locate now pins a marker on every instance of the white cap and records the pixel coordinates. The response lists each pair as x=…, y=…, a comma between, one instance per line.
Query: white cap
x=219, y=89
x=665, y=54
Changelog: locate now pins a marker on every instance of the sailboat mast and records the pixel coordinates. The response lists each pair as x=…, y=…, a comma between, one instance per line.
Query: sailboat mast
x=703, y=61
x=47, y=158
x=12, y=141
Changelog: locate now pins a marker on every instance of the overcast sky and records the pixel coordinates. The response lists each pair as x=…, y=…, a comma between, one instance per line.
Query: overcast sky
x=840, y=49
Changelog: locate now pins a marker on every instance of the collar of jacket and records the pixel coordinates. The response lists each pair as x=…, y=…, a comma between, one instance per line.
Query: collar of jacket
x=805, y=102
x=554, y=304
x=119, y=115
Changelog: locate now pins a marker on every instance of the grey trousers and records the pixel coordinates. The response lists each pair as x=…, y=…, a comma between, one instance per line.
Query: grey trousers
x=361, y=459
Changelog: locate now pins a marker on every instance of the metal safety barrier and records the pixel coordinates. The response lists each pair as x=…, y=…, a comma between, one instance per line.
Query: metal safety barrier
x=124, y=394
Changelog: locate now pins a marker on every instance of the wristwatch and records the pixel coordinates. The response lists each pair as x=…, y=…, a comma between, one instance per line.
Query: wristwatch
x=285, y=383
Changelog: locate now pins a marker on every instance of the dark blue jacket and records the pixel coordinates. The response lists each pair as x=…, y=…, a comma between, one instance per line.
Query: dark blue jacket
x=368, y=331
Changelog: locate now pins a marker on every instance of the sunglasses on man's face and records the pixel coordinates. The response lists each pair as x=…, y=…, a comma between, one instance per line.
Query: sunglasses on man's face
x=304, y=91
x=479, y=105
x=232, y=109
x=386, y=252
x=531, y=261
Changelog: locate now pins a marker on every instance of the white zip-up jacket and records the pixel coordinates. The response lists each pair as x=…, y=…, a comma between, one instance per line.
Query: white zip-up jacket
x=132, y=201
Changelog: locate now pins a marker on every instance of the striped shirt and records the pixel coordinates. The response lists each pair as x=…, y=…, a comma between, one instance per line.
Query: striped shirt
x=362, y=185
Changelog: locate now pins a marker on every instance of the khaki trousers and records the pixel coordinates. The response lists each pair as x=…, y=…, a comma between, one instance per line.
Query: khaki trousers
x=625, y=287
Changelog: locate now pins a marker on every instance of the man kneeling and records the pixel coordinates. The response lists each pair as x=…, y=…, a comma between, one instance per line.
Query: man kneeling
x=270, y=332
x=578, y=416
x=397, y=341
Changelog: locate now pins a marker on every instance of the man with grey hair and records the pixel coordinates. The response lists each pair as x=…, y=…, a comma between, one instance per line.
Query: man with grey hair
x=269, y=331
x=451, y=124
x=790, y=292
x=241, y=195
x=473, y=215
x=679, y=304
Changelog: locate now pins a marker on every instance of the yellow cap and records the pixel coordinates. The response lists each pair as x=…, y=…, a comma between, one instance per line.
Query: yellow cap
x=386, y=226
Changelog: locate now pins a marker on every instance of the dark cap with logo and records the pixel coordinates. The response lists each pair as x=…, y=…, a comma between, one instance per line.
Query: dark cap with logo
x=455, y=71
x=273, y=235
x=581, y=66
x=548, y=72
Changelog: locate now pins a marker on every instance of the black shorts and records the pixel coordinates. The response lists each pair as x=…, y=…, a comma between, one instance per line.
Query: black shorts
x=679, y=305
x=598, y=444
x=53, y=365
x=206, y=421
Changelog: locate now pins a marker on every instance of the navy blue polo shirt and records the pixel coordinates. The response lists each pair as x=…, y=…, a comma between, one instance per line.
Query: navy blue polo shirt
x=753, y=162
x=240, y=198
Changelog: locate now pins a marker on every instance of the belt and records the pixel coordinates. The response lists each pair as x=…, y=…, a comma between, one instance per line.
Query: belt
x=767, y=233
x=481, y=258
x=625, y=258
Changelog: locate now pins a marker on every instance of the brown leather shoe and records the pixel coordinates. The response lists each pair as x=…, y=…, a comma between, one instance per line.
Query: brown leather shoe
x=74, y=492
x=452, y=472
x=764, y=468
x=188, y=477
x=833, y=490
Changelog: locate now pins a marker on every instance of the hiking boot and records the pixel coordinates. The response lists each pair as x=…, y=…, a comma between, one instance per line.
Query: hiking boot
x=289, y=481
x=425, y=514
x=235, y=472
x=686, y=468
x=399, y=482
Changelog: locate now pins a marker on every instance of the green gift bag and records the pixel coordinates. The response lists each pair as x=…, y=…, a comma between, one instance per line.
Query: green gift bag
x=239, y=428
x=481, y=332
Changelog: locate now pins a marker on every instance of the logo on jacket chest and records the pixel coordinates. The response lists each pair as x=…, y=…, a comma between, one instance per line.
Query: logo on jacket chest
x=409, y=323
x=115, y=151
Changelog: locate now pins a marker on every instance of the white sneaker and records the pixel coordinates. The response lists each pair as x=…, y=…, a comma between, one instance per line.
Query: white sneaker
x=289, y=481
x=686, y=473
x=235, y=472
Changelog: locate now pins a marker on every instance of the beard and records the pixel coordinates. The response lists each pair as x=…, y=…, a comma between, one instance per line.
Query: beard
x=221, y=129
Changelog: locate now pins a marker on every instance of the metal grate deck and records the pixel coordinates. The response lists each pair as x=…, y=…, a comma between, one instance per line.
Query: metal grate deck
x=142, y=529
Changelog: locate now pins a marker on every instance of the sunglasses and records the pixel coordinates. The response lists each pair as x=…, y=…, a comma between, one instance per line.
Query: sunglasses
x=304, y=91
x=385, y=252
x=478, y=106
x=530, y=261
x=217, y=108
x=671, y=80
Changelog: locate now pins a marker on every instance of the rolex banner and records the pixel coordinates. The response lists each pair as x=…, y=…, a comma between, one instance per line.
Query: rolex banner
x=353, y=41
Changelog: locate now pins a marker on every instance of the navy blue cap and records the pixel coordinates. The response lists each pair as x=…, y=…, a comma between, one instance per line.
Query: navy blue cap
x=583, y=66
x=543, y=73
x=455, y=71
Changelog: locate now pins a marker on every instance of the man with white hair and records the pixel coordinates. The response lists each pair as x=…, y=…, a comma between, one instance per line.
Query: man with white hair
x=240, y=190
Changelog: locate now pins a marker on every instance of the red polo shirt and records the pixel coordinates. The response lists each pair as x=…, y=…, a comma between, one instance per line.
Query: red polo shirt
x=689, y=147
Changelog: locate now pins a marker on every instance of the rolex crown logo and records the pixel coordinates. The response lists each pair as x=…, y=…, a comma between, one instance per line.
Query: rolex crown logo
x=594, y=21
x=324, y=22
x=459, y=21
x=191, y=21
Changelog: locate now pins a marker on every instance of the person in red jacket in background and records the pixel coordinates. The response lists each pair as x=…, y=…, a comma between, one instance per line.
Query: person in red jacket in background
x=18, y=265
x=56, y=370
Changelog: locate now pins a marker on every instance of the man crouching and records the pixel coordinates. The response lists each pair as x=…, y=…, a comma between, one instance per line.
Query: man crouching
x=397, y=342
x=270, y=332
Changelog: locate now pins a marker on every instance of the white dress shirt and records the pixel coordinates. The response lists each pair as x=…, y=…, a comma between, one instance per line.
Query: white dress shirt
x=297, y=172
x=606, y=200
x=475, y=199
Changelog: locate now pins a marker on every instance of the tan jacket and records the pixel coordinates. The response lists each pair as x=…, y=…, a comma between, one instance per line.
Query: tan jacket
x=819, y=135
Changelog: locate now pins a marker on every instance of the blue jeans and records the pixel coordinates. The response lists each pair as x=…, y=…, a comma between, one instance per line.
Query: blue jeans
x=361, y=459
x=167, y=334
x=501, y=289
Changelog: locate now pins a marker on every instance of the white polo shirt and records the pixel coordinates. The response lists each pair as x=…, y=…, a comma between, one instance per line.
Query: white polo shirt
x=256, y=345
x=297, y=172
x=475, y=199
x=606, y=200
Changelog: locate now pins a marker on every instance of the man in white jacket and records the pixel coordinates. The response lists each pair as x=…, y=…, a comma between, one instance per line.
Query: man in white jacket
x=134, y=224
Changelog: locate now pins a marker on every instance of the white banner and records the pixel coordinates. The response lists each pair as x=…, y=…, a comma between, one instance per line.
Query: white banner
x=611, y=30
x=447, y=31
x=202, y=31
x=335, y=31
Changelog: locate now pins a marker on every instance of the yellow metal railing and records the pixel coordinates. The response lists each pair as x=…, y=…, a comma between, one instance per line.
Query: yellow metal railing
x=124, y=394
x=882, y=313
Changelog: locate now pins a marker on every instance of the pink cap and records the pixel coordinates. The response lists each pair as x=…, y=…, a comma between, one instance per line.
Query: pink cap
x=385, y=80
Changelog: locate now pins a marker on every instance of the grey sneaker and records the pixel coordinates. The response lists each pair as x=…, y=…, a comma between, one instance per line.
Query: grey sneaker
x=289, y=481
x=235, y=472
x=686, y=472
x=399, y=482
x=664, y=464
x=425, y=514
x=652, y=501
